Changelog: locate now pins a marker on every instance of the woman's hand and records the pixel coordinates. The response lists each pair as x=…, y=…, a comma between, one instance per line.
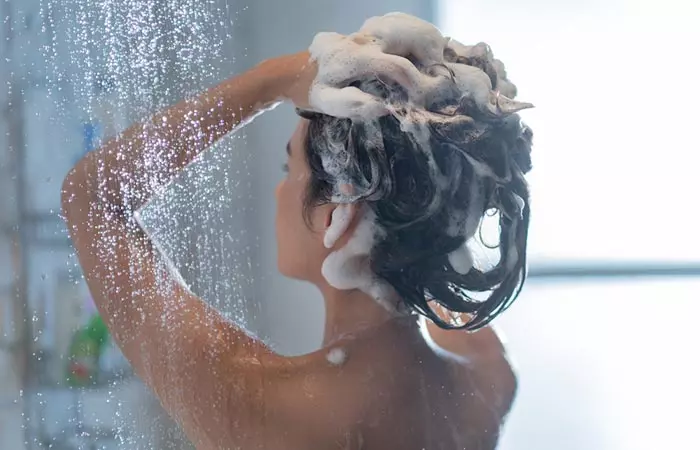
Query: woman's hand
x=294, y=75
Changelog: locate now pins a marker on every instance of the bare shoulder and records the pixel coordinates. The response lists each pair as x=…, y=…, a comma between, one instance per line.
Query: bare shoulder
x=322, y=399
x=349, y=394
x=373, y=384
x=485, y=363
x=482, y=344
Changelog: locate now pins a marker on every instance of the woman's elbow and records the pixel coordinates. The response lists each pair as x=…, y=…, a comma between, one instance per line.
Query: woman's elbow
x=72, y=189
x=78, y=196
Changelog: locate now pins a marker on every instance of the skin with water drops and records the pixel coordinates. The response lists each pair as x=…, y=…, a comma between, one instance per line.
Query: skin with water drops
x=377, y=373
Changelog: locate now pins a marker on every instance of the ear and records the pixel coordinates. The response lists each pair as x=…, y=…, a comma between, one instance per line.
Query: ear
x=339, y=223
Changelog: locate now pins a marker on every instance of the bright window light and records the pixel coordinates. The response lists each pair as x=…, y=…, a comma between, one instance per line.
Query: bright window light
x=616, y=91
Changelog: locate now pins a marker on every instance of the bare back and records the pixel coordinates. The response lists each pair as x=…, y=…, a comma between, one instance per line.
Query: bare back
x=418, y=396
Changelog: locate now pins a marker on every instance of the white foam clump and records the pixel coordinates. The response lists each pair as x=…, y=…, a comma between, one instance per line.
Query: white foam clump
x=340, y=221
x=337, y=356
x=348, y=267
x=380, y=50
x=377, y=49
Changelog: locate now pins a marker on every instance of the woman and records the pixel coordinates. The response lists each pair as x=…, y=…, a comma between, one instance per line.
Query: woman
x=375, y=214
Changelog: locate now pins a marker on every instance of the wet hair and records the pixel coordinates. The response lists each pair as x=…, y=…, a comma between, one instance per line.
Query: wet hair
x=424, y=188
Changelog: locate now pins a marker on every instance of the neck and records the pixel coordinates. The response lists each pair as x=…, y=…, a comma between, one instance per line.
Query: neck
x=350, y=312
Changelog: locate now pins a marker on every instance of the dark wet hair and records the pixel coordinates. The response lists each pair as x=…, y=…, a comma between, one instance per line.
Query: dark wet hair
x=417, y=189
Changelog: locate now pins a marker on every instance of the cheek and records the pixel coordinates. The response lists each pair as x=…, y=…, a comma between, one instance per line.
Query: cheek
x=295, y=240
x=278, y=189
x=289, y=207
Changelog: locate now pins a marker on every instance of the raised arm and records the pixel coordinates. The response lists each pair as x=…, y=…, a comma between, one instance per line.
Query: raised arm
x=214, y=379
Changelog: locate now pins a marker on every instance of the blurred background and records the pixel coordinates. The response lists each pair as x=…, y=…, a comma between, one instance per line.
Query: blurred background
x=604, y=335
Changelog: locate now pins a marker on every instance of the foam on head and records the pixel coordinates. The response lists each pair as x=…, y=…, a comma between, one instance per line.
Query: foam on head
x=381, y=48
x=432, y=69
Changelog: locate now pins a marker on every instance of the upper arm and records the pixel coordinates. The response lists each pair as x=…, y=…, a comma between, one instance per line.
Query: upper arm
x=221, y=385
x=203, y=369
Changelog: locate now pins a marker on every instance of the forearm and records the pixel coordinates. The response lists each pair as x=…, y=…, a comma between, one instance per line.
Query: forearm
x=126, y=170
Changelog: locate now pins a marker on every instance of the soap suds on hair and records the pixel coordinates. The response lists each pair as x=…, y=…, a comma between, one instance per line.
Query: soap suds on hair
x=380, y=49
x=340, y=221
x=440, y=71
x=348, y=267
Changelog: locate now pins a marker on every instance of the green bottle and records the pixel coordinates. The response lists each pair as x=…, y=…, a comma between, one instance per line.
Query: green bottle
x=86, y=347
